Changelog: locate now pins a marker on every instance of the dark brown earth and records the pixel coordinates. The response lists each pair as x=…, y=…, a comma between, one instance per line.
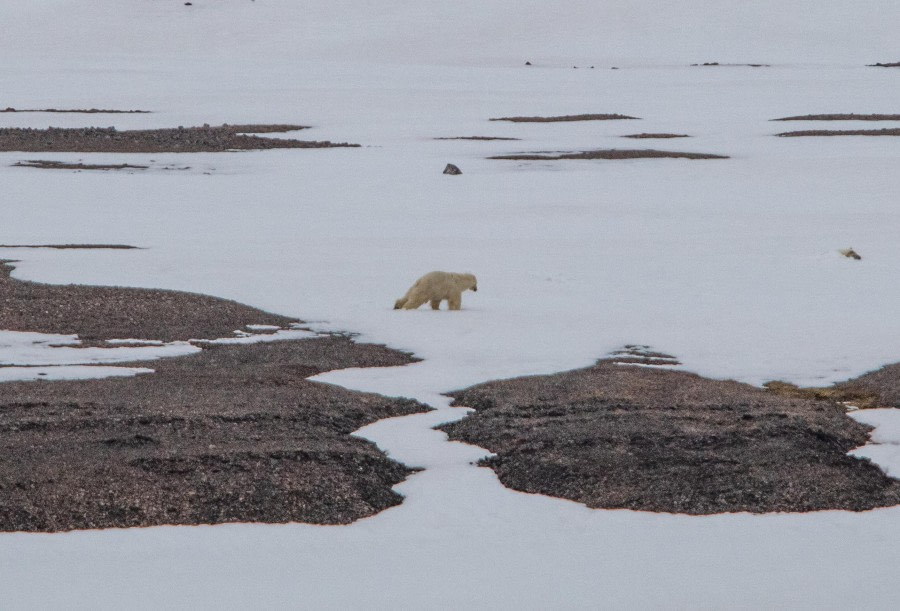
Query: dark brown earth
x=234, y=433
x=842, y=117
x=178, y=140
x=594, y=117
x=77, y=110
x=63, y=165
x=100, y=313
x=608, y=154
x=887, y=65
x=880, y=388
x=614, y=436
x=654, y=136
x=842, y=132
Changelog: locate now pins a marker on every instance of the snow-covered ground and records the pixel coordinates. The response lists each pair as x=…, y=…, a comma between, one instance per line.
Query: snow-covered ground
x=731, y=265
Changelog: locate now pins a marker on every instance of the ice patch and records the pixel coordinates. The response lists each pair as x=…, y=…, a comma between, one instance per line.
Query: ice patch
x=883, y=448
x=250, y=338
x=67, y=372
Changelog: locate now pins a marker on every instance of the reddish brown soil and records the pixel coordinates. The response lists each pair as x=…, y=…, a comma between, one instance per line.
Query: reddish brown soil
x=655, y=136
x=179, y=140
x=63, y=165
x=77, y=110
x=842, y=132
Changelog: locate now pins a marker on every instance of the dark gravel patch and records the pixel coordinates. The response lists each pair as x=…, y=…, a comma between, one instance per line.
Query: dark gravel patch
x=655, y=136
x=612, y=436
x=100, y=313
x=887, y=65
x=235, y=433
x=841, y=117
x=842, y=132
x=90, y=111
x=882, y=387
x=232, y=434
x=608, y=154
x=564, y=118
x=178, y=140
x=876, y=389
x=63, y=165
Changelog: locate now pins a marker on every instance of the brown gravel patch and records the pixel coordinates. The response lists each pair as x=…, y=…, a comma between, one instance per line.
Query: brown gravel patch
x=608, y=154
x=876, y=389
x=655, y=136
x=842, y=117
x=882, y=385
x=564, y=118
x=90, y=111
x=100, y=313
x=647, y=439
x=235, y=433
x=842, y=132
x=178, y=140
x=232, y=434
x=63, y=165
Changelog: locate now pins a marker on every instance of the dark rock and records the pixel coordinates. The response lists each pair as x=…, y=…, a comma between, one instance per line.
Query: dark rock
x=452, y=170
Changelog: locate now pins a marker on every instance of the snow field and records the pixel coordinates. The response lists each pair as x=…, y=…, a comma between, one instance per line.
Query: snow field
x=731, y=266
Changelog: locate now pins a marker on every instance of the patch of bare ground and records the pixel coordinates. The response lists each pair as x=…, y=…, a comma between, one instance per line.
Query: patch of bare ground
x=564, y=118
x=876, y=389
x=178, y=140
x=708, y=64
x=608, y=154
x=841, y=132
x=655, y=136
x=4, y=273
x=654, y=439
x=63, y=165
x=104, y=111
x=100, y=313
x=841, y=117
x=476, y=138
x=235, y=433
x=887, y=65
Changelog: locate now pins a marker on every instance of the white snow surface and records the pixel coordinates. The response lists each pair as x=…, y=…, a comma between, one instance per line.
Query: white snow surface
x=731, y=266
x=26, y=356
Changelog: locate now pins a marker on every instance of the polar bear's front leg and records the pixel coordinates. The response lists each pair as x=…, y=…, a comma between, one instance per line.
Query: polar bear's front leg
x=435, y=304
x=455, y=301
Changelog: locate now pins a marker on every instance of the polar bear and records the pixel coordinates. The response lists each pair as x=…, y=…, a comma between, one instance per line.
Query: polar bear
x=434, y=287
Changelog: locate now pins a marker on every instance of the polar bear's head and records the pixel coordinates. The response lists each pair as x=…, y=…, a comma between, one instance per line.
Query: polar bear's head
x=471, y=282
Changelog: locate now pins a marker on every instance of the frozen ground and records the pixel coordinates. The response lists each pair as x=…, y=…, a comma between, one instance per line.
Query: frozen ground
x=730, y=265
